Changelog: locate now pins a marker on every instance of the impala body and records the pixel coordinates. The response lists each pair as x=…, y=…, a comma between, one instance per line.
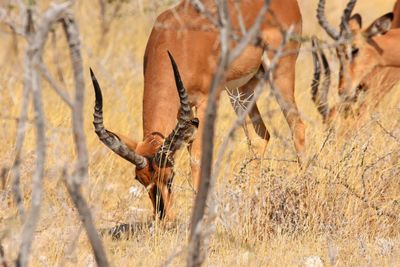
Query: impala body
x=195, y=43
x=362, y=52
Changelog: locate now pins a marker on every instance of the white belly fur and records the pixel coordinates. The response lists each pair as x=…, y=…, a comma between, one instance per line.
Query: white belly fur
x=234, y=84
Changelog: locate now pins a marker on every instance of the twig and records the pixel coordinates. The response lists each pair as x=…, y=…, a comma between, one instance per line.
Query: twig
x=242, y=116
x=11, y=24
x=73, y=183
x=198, y=5
x=21, y=129
x=86, y=217
x=395, y=138
x=195, y=257
x=72, y=34
x=34, y=53
x=57, y=88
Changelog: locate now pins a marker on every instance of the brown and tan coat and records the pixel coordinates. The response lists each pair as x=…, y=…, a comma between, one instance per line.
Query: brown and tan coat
x=195, y=43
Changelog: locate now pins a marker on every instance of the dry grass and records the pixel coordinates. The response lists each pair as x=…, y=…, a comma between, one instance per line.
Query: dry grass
x=343, y=207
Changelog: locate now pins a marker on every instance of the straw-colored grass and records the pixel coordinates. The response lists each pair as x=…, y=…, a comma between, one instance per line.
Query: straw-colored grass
x=343, y=208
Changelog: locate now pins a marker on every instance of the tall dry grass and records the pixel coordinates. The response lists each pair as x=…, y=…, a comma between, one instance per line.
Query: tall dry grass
x=343, y=207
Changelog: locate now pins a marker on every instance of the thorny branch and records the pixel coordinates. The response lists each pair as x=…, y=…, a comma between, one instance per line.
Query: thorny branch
x=196, y=255
x=242, y=116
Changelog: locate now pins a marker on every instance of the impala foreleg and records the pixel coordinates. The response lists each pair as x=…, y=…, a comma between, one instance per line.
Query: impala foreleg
x=284, y=81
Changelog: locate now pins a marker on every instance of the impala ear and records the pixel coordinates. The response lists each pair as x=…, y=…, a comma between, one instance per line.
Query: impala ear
x=380, y=26
x=355, y=22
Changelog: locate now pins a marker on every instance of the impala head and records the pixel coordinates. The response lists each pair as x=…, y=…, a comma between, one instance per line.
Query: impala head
x=153, y=158
x=358, y=51
x=362, y=53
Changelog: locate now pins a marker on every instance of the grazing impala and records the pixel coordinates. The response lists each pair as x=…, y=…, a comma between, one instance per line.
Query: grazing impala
x=360, y=51
x=194, y=41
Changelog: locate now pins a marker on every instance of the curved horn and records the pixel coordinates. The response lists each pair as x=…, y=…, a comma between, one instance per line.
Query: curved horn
x=320, y=97
x=323, y=106
x=344, y=25
x=185, y=128
x=317, y=70
x=110, y=139
x=324, y=22
x=185, y=112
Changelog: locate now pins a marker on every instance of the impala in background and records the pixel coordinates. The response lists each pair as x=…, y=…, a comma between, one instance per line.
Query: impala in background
x=363, y=53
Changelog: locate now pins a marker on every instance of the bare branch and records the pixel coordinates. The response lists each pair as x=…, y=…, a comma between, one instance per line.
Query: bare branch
x=251, y=34
x=73, y=183
x=33, y=67
x=87, y=220
x=33, y=58
x=33, y=215
x=21, y=129
x=4, y=18
x=395, y=138
x=57, y=88
x=242, y=116
x=72, y=33
x=195, y=257
x=198, y=5
x=269, y=66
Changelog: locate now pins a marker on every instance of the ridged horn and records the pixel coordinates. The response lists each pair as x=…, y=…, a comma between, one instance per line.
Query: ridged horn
x=344, y=23
x=110, y=139
x=317, y=70
x=320, y=96
x=324, y=22
x=185, y=112
x=185, y=128
x=323, y=106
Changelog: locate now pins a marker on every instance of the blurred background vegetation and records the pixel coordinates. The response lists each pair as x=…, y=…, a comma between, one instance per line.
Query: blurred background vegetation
x=343, y=209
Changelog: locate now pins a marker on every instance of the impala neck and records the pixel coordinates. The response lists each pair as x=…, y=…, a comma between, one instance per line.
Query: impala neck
x=160, y=99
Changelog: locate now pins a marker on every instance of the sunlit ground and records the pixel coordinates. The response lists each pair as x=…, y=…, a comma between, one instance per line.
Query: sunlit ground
x=342, y=208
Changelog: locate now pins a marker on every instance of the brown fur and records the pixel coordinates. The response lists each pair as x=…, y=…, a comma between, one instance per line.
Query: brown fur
x=194, y=42
x=377, y=72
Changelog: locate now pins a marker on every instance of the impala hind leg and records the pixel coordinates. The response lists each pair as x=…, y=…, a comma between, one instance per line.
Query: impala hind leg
x=284, y=79
x=240, y=99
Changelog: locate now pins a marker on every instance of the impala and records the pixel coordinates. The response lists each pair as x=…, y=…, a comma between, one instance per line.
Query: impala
x=360, y=51
x=153, y=157
x=194, y=41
